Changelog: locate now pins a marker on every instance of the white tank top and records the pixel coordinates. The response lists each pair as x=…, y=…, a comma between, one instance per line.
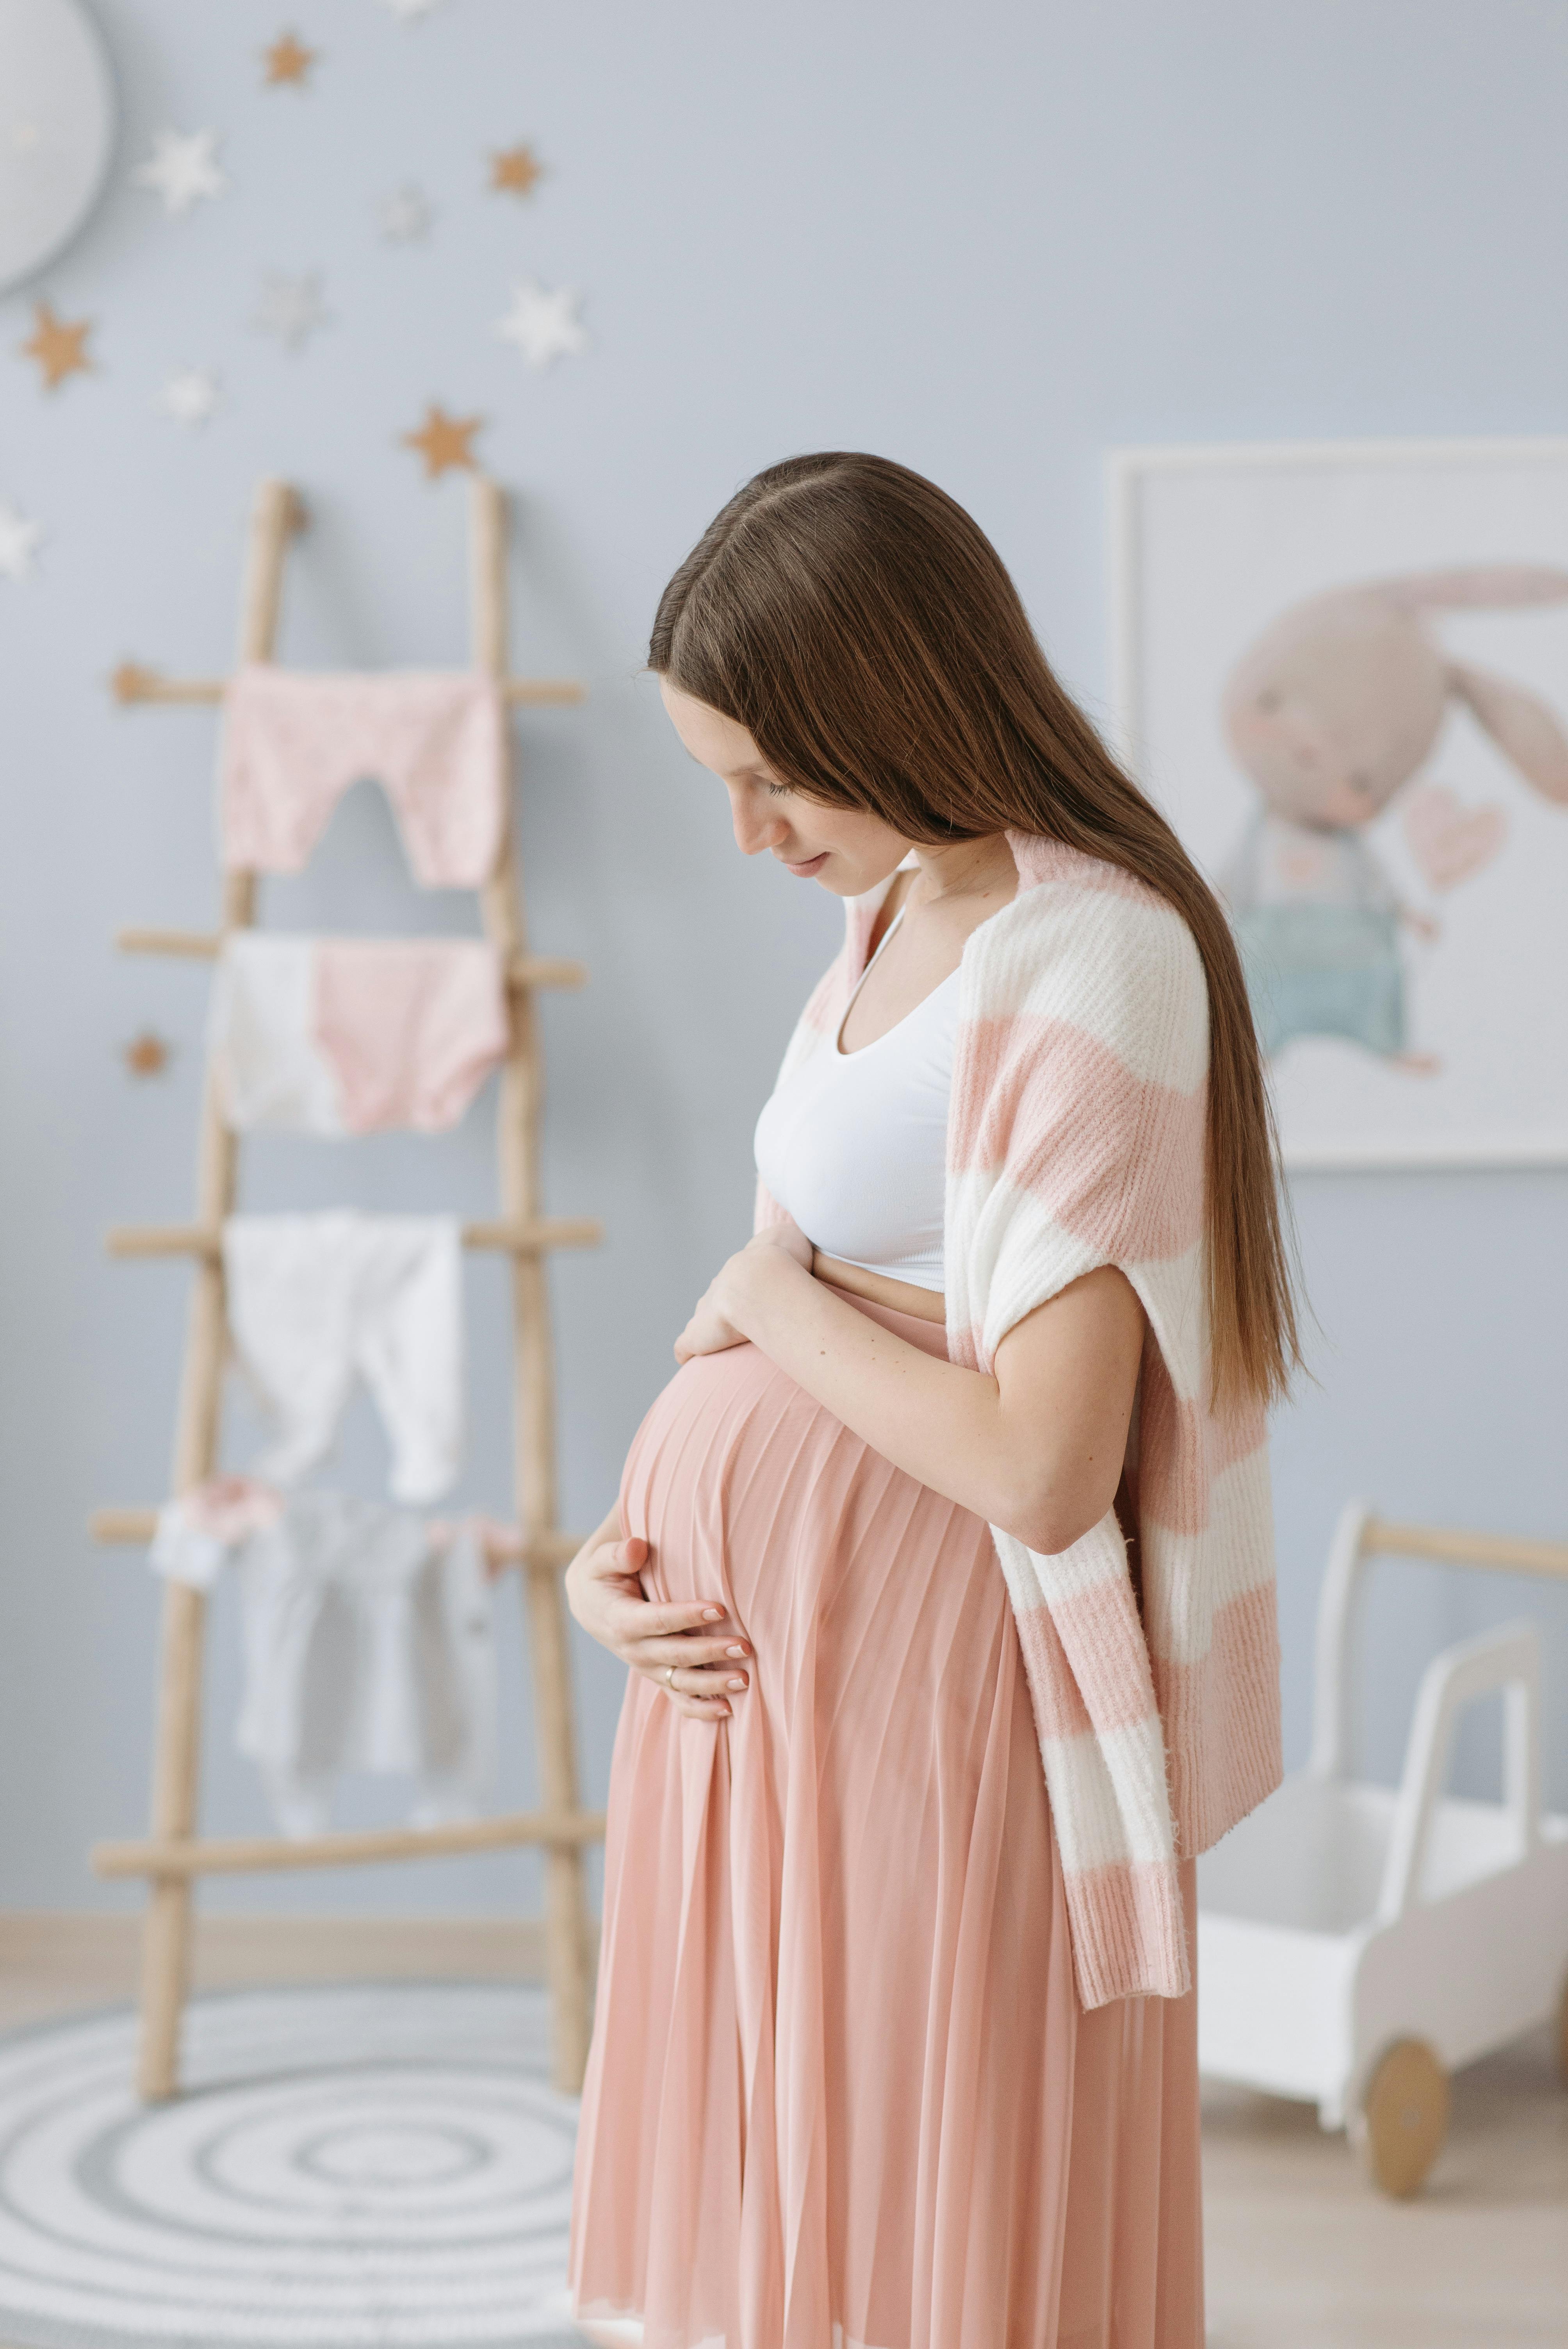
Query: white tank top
x=853, y=1145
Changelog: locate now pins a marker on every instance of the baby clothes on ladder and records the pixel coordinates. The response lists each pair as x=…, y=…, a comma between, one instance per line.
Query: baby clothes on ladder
x=196, y=1534
x=293, y=744
x=314, y=1301
x=355, y=1035
x=368, y=1645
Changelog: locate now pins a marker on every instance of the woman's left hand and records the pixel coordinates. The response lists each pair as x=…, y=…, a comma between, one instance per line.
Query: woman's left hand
x=713, y=1324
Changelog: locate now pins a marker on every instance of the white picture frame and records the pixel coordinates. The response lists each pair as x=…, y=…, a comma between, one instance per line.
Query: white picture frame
x=1230, y=565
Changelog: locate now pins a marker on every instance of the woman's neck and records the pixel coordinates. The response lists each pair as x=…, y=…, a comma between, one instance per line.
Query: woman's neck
x=983, y=869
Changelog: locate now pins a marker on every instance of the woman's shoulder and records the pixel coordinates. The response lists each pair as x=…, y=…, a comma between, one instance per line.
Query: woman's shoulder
x=1072, y=906
x=1050, y=873
x=1089, y=944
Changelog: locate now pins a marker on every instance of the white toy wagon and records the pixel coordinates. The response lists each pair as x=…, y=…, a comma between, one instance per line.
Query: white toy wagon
x=1357, y=1943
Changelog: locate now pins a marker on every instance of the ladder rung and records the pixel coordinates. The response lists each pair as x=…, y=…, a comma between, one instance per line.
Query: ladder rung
x=195, y=946
x=132, y=682
x=547, y=1549
x=242, y=1854
x=204, y=946
x=134, y=1528
x=517, y=1239
x=534, y=1238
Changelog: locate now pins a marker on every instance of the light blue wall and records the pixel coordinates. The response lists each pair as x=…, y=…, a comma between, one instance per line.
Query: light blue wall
x=989, y=241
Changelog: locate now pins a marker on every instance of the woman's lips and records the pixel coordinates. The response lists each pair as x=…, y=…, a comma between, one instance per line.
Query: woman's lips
x=804, y=872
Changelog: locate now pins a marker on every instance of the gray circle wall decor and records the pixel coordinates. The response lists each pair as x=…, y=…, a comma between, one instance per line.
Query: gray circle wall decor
x=56, y=130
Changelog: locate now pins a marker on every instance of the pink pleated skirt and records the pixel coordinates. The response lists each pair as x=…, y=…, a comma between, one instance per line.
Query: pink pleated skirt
x=840, y=2093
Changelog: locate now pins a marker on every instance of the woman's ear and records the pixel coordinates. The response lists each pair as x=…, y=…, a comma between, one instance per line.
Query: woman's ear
x=1528, y=733
x=1478, y=587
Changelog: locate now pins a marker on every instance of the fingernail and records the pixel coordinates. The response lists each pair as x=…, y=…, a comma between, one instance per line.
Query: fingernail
x=735, y=1651
x=713, y=1615
x=737, y=1684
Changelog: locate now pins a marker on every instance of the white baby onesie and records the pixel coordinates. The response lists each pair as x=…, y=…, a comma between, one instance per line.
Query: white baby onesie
x=314, y=1300
x=369, y=1645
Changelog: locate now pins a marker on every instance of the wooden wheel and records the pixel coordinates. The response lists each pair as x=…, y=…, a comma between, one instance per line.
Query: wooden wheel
x=1405, y=2108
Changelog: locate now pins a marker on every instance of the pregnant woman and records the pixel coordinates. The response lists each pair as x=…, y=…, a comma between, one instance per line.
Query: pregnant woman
x=943, y=1564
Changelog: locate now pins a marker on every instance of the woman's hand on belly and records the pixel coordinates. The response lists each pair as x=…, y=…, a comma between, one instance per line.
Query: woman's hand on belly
x=710, y=1330
x=687, y=1648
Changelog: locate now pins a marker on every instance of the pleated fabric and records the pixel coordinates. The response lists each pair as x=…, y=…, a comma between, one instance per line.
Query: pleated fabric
x=841, y=2094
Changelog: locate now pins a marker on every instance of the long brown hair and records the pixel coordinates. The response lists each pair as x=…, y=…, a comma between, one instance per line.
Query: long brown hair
x=865, y=632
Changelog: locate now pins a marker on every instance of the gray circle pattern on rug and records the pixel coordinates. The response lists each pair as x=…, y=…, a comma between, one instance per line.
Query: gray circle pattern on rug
x=351, y=2168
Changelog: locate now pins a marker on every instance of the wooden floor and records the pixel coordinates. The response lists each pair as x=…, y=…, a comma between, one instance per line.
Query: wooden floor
x=1301, y=2253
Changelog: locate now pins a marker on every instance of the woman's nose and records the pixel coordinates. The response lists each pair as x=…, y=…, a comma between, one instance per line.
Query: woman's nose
x=755, y=827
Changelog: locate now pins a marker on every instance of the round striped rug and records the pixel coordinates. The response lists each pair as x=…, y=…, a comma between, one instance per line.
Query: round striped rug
x=350, y=2166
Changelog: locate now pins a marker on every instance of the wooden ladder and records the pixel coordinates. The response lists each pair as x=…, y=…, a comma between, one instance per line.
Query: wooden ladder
x=174, y=1855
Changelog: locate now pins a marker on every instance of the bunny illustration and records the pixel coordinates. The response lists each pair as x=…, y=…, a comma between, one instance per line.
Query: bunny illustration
x=1331, y=711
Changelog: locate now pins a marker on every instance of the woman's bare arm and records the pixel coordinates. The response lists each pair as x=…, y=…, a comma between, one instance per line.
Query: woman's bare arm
x=1035, y=1446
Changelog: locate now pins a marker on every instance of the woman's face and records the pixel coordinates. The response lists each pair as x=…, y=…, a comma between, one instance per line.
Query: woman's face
x=845, y=850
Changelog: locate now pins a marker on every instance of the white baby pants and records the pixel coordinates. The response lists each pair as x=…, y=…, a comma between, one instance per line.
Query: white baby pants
x=315, y=1301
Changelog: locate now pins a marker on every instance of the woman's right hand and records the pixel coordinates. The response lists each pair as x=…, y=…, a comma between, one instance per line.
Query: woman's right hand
x=709, y=1653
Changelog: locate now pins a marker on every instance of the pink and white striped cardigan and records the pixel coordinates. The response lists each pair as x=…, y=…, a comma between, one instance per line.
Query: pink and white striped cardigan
x=1075, y=1139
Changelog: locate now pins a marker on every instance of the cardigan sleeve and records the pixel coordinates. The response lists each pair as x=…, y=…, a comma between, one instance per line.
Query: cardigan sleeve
x=1077, y=1141
x=1079, y=1098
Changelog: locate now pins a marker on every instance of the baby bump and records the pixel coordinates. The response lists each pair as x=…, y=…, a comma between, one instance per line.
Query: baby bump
x=831, y=1560
x=690, y=1473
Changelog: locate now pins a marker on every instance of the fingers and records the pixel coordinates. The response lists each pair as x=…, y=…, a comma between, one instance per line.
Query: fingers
x=702, y=1692
x=638, y=1630
x=618, y=1558
x=626, y=1557
x=661, y=1619
x=707, y=1332
x=686, y=1649
x=699, y=1708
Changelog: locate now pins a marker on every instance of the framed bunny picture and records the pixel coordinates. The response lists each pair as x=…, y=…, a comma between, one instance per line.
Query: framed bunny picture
x=1341, y=669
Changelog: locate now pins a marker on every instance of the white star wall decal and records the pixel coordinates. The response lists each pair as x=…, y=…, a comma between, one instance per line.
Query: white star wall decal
x=19, y=540
x=190, y=395
x=403, y=215
x=543, y=326
x=182, y=167
x=292, y=309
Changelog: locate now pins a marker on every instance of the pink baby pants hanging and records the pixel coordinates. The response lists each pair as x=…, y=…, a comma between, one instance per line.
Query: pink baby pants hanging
x=294, y=743
x=355, y=1035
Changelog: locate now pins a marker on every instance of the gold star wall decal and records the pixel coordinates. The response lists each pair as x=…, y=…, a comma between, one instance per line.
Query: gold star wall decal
x=515, y=172
x=146, y=1055
x=132, y=682
x=288, y=60
x=443, y=440
x=59, y=349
